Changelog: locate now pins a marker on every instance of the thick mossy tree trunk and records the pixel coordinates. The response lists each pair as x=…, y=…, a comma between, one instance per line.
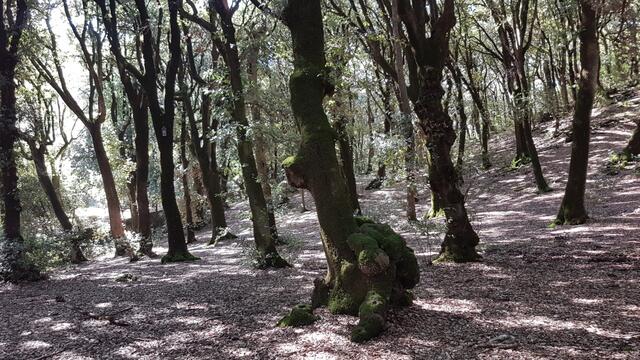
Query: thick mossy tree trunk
x=572, y=210
x=15, y=265
x=262, y=230
x=369, y=266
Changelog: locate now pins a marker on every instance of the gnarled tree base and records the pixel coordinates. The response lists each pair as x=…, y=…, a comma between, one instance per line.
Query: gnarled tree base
x=270, y=260
x=458, y=248
x=567, y=216
x=379, y=276
x=221, y=235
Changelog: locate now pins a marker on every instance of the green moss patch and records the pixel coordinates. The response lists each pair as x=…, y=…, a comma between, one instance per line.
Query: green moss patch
x=300, y=315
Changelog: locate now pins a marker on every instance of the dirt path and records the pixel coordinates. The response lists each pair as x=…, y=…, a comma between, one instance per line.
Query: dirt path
x=569, y=292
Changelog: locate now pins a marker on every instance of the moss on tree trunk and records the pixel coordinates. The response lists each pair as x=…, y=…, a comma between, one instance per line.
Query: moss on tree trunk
x=369, y=266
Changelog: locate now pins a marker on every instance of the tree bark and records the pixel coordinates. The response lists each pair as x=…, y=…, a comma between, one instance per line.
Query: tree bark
x=37, y=154
x=109, y=184
x=462, y=131
x=633, y=147
x=262, y=231
x=364, y=276
x=163, y=124
x=16, y=266
x=260, y=142
x=346, y=157
x=191, y=237
x=572, y=209
x=405, y=114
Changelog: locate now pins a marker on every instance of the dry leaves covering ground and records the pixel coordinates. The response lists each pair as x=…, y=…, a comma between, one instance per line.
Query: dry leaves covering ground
x=568, y=292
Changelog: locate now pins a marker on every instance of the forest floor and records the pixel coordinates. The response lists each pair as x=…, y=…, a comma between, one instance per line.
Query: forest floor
x=540, y=292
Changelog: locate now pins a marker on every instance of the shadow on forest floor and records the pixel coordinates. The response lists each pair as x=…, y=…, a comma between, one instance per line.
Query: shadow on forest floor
x=565, y=292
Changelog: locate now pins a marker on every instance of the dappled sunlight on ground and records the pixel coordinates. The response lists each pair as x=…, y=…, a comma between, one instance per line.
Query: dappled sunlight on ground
x=540, y=291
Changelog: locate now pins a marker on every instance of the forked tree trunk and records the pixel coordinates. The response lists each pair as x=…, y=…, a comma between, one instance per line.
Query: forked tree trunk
x=163, y=118
x=572, y=210
x=369, y=266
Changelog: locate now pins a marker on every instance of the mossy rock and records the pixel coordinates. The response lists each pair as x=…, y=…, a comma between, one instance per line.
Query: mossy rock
x=178, y=257
x=300, y=315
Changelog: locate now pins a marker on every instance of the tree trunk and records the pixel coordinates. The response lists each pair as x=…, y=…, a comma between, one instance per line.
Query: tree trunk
x=200, y=209
x=572, y=210
x=523, y=122
x=111, y=194
x=191, y=237
x=163, y=118
x=13, y=252
x=346, y=157
x=462, y=137
x=141, y=126
x=633, y=147
x=260, y=142
x=370, y=136
x=365, y=276
x=75, y=256
x=205, y=150
x=405, y=113
x=265, y=243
